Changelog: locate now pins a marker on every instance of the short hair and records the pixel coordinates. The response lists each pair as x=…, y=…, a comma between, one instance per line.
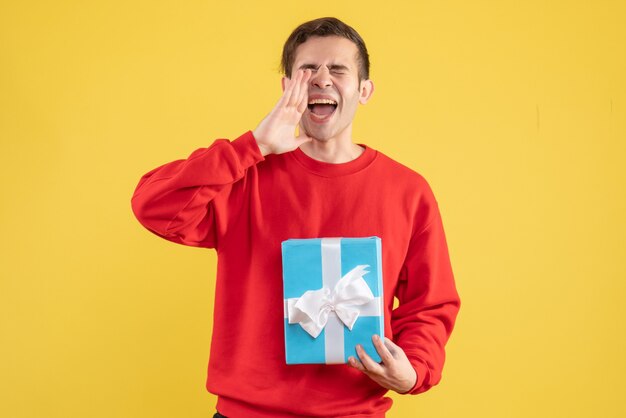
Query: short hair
x=325, y=26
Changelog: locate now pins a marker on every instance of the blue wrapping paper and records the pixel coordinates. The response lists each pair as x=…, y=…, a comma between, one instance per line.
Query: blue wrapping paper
x=317, y=263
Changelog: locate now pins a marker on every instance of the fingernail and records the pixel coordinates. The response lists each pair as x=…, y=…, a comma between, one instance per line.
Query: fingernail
x=376, y=337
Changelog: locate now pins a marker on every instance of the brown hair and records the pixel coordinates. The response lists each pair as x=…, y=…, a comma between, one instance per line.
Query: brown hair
x=325, y=26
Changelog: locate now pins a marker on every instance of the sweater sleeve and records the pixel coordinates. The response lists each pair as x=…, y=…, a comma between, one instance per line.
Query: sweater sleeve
x=186, y=201
x=428, y=300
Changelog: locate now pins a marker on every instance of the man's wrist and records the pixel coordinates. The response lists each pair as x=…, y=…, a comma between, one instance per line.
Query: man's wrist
x=410, y=383
x=262, y=147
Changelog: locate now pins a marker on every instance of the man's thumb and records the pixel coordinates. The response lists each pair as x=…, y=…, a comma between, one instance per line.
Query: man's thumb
x=303, y=139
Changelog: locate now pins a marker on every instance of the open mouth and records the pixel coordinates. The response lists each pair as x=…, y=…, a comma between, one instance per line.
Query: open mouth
x=322, y=108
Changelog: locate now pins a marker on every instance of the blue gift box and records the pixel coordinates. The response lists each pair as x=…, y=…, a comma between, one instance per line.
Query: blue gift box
x=333, y=298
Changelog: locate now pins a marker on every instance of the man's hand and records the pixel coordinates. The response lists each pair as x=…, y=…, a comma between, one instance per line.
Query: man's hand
x=276, y=132
x=395, y=373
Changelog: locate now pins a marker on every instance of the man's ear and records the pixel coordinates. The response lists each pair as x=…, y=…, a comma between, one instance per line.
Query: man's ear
x=367, y=89
x=282, y=82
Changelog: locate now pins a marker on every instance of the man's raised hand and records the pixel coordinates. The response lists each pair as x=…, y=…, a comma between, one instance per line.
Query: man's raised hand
x=276, y=132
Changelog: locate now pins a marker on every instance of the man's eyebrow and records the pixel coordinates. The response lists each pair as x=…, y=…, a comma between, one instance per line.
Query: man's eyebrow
x=331, y=67
x=308, y=67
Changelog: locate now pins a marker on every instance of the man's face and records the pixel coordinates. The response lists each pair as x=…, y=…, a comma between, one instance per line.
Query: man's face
x=334, y=88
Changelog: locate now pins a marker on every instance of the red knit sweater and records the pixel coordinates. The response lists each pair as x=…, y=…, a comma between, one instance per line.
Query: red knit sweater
x=229, y=197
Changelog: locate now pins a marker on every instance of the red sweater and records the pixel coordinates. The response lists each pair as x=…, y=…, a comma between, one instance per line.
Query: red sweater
x=231, y=198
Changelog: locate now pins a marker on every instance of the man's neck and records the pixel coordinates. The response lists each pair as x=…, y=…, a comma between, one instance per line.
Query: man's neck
x=332, y=151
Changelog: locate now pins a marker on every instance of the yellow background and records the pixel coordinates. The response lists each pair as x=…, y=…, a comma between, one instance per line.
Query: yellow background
x=515, y=111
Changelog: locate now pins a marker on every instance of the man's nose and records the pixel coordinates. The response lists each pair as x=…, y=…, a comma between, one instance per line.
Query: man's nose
x=321, y=78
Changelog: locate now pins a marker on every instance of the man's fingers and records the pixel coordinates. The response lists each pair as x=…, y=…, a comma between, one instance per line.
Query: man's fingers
x=393, y=348
x=284, y=99
x=304, y=91
x=295, y=93
x=356, y=364
x=399, y=376
x=367, y=361
x=298, y=86
x=382, y=350
x=388, y=343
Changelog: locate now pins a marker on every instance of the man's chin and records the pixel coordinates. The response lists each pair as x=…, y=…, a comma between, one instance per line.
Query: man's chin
x=317, y=136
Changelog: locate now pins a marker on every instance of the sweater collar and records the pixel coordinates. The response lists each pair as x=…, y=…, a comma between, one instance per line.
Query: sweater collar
x=325, y=169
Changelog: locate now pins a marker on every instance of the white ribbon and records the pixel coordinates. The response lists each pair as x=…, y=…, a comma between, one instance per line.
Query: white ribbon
x=312, y=309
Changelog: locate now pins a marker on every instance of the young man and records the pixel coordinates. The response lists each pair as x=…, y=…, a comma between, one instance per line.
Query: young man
x=244, y=197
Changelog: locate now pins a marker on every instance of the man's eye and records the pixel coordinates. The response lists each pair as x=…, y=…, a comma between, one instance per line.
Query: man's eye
x=338, y=72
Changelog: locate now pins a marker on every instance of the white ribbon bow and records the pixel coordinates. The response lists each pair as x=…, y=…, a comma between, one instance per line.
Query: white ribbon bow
x=311, y=310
